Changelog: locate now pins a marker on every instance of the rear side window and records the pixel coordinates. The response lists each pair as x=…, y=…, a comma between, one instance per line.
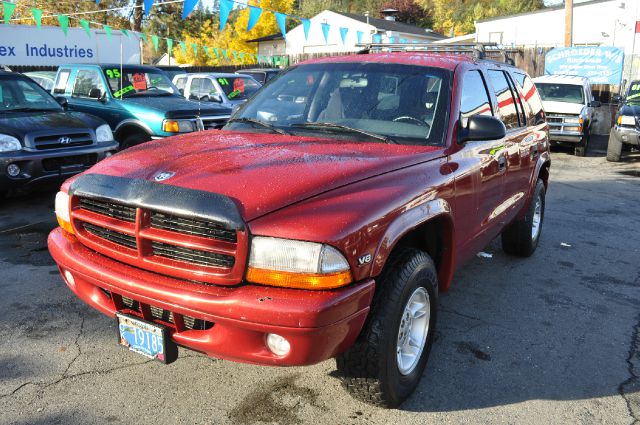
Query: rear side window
x=531, y=96
x=475, y=99
x=181, y=82
x=506, y=99
x=61, y=81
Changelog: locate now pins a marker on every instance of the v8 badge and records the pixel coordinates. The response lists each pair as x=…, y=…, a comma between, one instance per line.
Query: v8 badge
x=365, y=259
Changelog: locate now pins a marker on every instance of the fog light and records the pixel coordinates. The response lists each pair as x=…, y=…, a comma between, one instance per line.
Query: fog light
x=69, y=278
x=13, y=170
x=278, y=345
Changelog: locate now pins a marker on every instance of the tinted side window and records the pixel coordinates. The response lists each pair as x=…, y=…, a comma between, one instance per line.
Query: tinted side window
x=531, y=96
x=61, y=81
x=87, y=80
x=475, y=99
x=506, y=100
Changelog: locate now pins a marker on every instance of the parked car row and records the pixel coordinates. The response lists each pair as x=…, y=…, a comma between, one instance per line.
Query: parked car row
x=80, y=114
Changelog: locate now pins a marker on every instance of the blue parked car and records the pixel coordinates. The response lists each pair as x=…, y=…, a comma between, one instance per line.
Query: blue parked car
x=139, y=102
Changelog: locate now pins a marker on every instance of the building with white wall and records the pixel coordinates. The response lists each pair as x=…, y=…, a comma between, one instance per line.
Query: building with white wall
x=370, y=29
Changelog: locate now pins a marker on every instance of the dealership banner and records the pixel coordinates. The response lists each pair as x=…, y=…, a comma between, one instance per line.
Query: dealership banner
x=30, y=45
x=602, y=65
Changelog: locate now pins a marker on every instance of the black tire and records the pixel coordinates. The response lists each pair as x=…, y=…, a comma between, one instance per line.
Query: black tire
x=614, y=149
x=133, y=139
x=581, y=148
x=518, y=238
x=369, y=369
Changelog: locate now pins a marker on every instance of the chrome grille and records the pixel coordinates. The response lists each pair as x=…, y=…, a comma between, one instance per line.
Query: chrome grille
x=62, y=141
x=194, y=256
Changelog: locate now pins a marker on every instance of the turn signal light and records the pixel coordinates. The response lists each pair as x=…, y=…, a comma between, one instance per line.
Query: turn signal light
x=299, y=280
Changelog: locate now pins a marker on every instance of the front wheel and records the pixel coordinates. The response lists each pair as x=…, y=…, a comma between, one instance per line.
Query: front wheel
x=614, y=148
x=386, y=363
x=521, y=237
x=581, y=148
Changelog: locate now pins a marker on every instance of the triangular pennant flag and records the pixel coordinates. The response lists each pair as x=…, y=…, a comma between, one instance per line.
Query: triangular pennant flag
x=225, y=54
x=85, y=24
x=183, y=47
x=216, y=52
x=64, y=23
x=254, y=15
x=403, y=40
x=377, y=38
x=143, y=36
x=242, y=57
x=325, y=31
x=194, y=46
x=126, y=33
x=225, y=9
x=359, y=35
x=97, y=1
x=306, y=24
x=107, y=30
x=281, y=18
x=235, y=55
x=154, y=39
x=206, y=51
x=392, y=40
x=343, y=35
x=7, y=9
x=37, y=16
x=169, y=45
x=189, y=5
x=147, y=7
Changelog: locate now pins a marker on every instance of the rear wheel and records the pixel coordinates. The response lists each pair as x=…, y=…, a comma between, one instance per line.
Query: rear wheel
x=521, y=237
x=614, y=148
x=133, y=139
x=386, y=363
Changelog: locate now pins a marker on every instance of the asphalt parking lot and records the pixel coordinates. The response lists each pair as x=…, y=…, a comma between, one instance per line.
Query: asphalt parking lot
x=550, y=339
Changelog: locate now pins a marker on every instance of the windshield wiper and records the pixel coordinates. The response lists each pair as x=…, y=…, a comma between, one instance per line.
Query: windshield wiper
x=260, y=123
x=346, y=128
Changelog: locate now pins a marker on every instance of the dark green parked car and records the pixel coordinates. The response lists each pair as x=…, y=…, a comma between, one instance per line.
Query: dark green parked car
x=139, y=102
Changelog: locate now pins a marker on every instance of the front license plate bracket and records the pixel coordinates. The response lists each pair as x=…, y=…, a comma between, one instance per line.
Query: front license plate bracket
x=145, y=338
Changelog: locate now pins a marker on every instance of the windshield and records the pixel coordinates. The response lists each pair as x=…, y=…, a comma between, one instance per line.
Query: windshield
x=138, y=82
x=400, y=103
x=634, y=92
x=17, y=94
x=238, y=88
x=568, y=93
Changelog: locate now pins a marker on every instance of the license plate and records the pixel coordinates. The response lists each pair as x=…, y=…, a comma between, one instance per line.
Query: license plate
x=144, y=338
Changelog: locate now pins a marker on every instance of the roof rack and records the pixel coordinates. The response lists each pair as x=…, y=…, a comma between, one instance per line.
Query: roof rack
x=476, y=50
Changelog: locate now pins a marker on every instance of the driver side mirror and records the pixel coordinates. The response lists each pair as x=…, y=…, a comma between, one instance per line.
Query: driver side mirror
x=482, y=127
x=214, y=97
x=96, y=93
x=62, y=101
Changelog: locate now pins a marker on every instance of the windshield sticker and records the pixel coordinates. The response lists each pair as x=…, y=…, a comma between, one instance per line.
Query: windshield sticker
x=223, y=81
x=233, y=94
x=139, y=81
x=113, y=73
x=131, y=87
x=238, y=85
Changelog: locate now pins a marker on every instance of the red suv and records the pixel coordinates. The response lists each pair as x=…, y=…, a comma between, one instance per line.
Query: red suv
x=321, y=222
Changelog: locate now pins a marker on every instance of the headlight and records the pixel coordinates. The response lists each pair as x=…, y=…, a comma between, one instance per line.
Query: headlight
x=573, y=120
x=62, y=211
x=104, y=133
x=296, y=264
x=626, y=120
x=9, y=143
x=178, y=126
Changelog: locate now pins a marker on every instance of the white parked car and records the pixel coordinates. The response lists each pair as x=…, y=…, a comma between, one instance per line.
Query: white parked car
x=570, y=109
x=227, y=89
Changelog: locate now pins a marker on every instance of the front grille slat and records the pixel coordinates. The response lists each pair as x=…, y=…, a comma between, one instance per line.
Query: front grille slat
x=192, y=226
x=195, y=256
x=111, y=235
x=71, y=141
x=158, y=313
x=119, y=211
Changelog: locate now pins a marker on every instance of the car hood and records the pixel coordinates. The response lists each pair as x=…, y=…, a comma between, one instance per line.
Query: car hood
x=22, y=123
x=632, y=109
x=551, y=107
x=261, y=172
x=177, y=106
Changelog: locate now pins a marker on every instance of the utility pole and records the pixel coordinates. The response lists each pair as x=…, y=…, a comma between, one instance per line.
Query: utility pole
x=568, y=23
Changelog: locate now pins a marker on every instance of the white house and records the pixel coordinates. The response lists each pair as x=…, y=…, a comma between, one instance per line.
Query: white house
x=595, y=22
x=370, y=29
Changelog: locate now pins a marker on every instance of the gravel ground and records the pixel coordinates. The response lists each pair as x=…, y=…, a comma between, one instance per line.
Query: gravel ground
x=550, y=339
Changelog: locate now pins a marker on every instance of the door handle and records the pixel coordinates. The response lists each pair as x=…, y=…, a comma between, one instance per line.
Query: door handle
x=502, y=162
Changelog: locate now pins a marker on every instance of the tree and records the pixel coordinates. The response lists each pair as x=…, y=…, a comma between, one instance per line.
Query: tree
x=410, y=12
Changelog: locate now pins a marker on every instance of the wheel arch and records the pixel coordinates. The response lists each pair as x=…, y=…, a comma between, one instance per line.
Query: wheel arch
x=127, y=127
x=428, y=227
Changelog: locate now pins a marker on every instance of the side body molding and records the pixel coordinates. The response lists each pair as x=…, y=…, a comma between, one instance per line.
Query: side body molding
x=410, y=219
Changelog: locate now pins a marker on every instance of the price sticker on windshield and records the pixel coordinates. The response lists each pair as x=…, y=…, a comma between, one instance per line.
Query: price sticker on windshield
x=139, y=81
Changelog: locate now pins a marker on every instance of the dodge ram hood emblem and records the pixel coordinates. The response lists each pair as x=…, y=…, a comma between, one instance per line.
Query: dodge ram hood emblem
x=163, y=175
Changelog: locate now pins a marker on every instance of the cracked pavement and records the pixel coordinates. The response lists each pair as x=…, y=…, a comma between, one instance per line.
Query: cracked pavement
x=550, y=339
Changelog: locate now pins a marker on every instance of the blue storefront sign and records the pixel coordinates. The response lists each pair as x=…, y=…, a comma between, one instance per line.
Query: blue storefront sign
x=602, y=65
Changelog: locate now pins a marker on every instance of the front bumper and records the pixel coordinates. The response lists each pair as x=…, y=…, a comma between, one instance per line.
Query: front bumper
x=50, y=166
x=628, y=135
x=565, y=136
x=317, y=324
